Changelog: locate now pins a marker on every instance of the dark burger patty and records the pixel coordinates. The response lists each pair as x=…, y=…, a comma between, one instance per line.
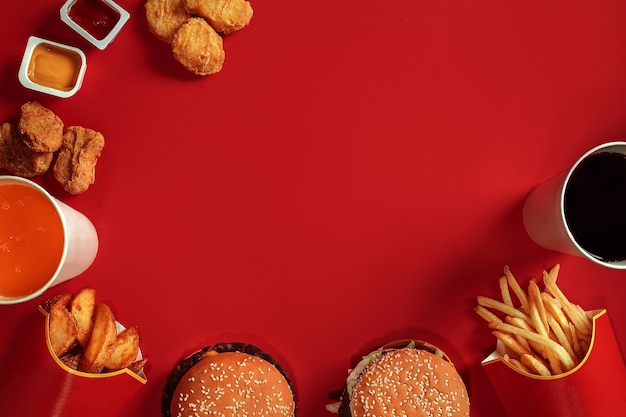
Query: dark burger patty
x=186, y=364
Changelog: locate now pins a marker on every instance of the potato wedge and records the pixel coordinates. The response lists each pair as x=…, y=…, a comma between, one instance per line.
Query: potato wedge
x=62, y=299
x=102, y=340
x=125, y=350
x=137, y=366
x=82, y=307
x=62, y=329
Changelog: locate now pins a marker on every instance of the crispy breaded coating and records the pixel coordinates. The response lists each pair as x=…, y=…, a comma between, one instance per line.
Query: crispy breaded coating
x=19, y=159
x=75, y=167
x=226, y=16
x=198, y=47
x=41, y=129
x=165, y=17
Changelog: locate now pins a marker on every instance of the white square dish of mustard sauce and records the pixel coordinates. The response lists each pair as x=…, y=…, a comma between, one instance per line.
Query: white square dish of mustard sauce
x=52, y=68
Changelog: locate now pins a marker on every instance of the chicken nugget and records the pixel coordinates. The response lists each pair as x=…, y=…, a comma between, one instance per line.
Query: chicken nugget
x=75, y=167
x=165, y=17
x=41, y=129
x=226, y=16
x=19, y=159
x=198, y=47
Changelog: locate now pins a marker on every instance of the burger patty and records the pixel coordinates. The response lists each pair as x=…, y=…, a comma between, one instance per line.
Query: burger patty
x=186, y=364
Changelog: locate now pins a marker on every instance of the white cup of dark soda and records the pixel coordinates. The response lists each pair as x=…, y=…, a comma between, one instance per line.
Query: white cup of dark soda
x=582, y=211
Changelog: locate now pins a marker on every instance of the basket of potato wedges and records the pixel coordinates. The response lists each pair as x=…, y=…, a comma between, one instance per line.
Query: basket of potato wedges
x=85, y=337
x=76, y=358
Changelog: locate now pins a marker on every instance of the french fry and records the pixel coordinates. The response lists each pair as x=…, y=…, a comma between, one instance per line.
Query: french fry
x=486, y=314
x=514, y=321
x=539, y=318
x=562, y=337
x=516, y=363
x=514, y=285
x=536, y=319
x=533, y=346
x=556, y=366
x=536, y=303
x=504, y=291
x=554, y=271
x=554, y=308
x=511, y=342
x=584, y=315
x=581, y=321
x=541, y=339
x=575, y=341
x=535, y=364
x=494, y=304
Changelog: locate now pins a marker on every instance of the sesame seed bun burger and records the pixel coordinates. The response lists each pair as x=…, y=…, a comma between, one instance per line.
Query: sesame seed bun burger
x=228, y=379
x=406, y=377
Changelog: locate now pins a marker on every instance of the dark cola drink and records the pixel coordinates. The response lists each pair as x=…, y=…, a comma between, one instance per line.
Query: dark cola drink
x=595, y=205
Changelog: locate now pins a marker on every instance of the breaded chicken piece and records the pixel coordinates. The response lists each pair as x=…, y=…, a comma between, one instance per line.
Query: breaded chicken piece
x=75, y=167
x=19, y=159
x=41, y=129
x=225, y=16
x=165, y=17
x=198, y=47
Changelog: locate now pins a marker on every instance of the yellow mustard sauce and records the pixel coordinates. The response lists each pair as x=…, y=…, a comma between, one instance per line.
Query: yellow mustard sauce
x=54, y=67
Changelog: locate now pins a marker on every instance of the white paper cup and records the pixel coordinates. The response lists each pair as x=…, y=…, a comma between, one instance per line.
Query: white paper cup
x=80, y=241
x=545, y=217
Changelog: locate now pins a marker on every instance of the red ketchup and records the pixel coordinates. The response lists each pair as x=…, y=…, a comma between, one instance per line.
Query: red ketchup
x=95, y=16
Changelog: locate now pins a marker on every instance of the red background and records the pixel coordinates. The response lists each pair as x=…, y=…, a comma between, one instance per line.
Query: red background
x=356, y=172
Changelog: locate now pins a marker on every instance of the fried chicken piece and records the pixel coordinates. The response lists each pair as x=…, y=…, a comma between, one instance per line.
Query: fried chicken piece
x=41, y=129
x=165, y=17
x=198, y=47
x=19, y=159
x=226, y=16
x=75, y=168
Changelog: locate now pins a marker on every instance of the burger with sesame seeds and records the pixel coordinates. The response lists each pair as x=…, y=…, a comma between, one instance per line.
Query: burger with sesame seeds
x=407, y=377
x=228, y=379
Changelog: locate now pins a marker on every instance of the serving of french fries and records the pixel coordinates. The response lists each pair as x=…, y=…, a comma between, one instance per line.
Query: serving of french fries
x=544, y=332
x=83, y=334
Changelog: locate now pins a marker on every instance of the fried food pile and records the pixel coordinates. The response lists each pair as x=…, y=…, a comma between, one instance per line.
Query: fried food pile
x=83, y=335
x=545, y=333
x=27, y=148
x=194, y=29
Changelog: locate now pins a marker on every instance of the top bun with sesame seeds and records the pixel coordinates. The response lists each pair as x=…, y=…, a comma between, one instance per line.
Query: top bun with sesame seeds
x=406, y=377
x=228, y=379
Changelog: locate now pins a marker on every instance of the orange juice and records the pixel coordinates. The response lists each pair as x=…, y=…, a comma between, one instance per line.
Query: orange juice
x=31, y=240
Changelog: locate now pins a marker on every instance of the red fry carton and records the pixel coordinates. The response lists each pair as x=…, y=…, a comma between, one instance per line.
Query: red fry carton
x=37, y=383
x=596, y=387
